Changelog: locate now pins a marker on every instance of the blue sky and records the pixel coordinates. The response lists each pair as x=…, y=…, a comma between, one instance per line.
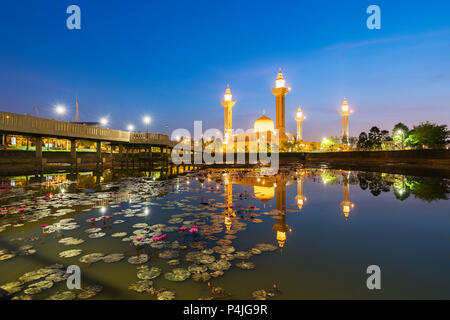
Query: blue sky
x=173, y=60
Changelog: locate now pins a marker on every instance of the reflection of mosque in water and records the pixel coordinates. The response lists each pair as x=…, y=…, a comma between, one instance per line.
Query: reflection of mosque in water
x=266, y=188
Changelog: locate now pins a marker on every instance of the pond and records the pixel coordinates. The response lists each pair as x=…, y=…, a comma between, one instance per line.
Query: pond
x=304, y=233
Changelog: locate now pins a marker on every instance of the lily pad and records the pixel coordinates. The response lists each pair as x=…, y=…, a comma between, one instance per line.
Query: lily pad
x=166, y=295
x=266, y=247
x=71, y=241
x=203, y=277
x=261, y=294
x=195, y=268
x=246, y=265
x=70, y=253
x=113, y=257
x=177, y=274
x=243, y=255
x=220, y=265
x=92, y=257
x=141, y=286
x=38, y=287
x=168, y=254
x=142, y=258
x=65, y=295
x=147, y=274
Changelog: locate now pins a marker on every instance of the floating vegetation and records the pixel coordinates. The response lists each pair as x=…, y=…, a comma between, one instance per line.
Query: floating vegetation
x=203, y=277
x=165, y=295
x=255, y=251
x=224, y=249
x=261, y=294
x=70, y=253
x=119, y=234
x=195, y=268
x=7, y=256
x=173, y=262
x=57, y=276
x=92, y=257
x=38, y=287
x=65, y=295
x=93, y=230
x=245, y=255
x=12, y=287
x=266, y=247
x=148, y=274
x=142, y=286
x=71, y=241
x=246, y=265
x=177, y=274
x=36, y=274
x=96, y=235
x=113, y=257
x=220, y=265
x=168, y=254
x=142, y=258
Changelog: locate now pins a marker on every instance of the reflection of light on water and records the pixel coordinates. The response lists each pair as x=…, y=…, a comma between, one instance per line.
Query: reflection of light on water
x=103, y=210
x=146, y=211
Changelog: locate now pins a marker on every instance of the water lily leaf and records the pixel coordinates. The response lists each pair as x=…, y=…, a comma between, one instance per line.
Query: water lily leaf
x=71, y=241
x=113, y=257
x=166, y=295
x=38, y=287
x=70, y=253
x=92, y=257
x=177, y=274
x=147, y=274
x=65, y=295
x=142, y=258
x=266, y=247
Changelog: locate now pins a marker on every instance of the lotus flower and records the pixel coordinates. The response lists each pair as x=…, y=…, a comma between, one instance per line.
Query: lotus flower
x=183, y=228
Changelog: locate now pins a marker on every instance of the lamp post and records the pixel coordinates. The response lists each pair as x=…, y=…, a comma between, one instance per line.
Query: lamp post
x=402, y=133
x=130, y=127
x=147, y=121
x=104, y=121
x=60, y=110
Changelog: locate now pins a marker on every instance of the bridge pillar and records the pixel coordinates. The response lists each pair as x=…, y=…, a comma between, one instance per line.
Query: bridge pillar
x=73, y=152
x=99, y=155
x=38, y=153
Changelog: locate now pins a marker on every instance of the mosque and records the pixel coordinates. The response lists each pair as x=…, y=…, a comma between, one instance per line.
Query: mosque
x=265, y=130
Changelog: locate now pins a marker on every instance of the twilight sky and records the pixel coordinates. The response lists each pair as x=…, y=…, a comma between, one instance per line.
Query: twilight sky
x=173, y=60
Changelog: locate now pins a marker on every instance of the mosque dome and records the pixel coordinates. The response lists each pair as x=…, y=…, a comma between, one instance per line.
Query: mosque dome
x=264, y=123
x=264, y=194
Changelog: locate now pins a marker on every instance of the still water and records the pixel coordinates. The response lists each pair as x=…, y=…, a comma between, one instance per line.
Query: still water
x=305, y=233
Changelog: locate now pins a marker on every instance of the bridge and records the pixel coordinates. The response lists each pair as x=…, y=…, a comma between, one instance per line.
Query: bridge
x=126, y=143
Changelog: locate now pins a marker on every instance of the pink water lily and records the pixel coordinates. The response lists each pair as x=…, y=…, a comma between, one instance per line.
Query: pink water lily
x=43, y=225
x=11, y=208
x=183, y=228
x=21, y=210
x=193, y=230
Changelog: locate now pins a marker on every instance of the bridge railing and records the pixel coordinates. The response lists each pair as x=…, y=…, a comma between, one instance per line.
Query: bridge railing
x=149, y=138
x=27, y=124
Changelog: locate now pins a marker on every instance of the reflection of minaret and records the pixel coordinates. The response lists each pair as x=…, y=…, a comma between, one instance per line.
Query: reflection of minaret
x=229, y=203
x=280, y=92
x=300, y=117
x=346, y=204
x=281, y=227
x=345, y=112
x=228, y=116
x=300, y=197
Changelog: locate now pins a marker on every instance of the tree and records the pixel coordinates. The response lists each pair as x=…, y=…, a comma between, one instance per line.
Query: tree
x=328, y=143
x=363, y=140
x=399, y=134
x=428, y=135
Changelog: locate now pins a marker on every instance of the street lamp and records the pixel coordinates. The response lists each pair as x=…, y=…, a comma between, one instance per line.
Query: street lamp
x=147, y=121
x=60, y=110
x=402, y=133
x=130, y=127
x=104, y=121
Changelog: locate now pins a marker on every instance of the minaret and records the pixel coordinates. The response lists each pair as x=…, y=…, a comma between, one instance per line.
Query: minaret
x=346, y=204
x=77, y=117
x=280, y=92
x=300, y=197
x=228, y=116
x=345, y=112
x=299, y=118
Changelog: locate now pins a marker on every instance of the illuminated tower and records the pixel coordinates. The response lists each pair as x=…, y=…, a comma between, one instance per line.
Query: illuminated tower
x=300, y=197
x=77, y=116
x=345, y=112
x=299, y=118
x=228, y=116
x=346, y=204
x=281, y=227
x=280, y=92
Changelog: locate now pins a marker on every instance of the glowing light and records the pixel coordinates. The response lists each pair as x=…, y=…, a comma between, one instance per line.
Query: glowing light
x=130, y=127
x=102, y=210
x=104, y=121
x=227, y=96
x=60, y=109
x=147, y=120
x=280, y=83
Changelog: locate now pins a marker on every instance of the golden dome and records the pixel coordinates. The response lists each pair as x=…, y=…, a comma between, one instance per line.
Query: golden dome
x=264, y=123
x=264, y=193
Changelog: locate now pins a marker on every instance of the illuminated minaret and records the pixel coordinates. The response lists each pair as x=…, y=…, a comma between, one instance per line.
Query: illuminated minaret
x=345, y=112
x=300, y=197
x=281, y=227
x=346, y=204
x=280, y=92
x=228, y=117
x=299, y=118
